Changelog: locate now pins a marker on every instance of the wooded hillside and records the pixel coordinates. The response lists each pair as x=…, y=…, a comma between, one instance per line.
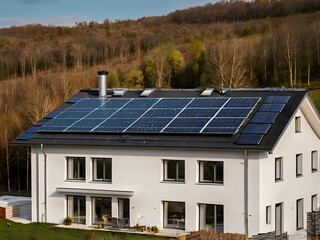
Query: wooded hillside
x=231, y=43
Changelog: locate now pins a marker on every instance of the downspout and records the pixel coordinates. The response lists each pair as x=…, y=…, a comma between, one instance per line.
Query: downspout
x=246, y=228
x=45, y=184
x=37, y=186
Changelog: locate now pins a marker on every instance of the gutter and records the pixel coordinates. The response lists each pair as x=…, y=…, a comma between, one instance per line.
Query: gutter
x=245, y=174
x=45, y=185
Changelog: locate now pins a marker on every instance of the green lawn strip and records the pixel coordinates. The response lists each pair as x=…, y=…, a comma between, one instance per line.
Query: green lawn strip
x=40, y=231
x=315, y=94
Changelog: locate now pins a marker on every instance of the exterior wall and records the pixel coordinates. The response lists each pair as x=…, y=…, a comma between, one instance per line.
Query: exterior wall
x=141, y=171
x=291, y=188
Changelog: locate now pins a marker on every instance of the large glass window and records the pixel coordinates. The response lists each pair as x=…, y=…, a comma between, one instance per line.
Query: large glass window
x=102, y=169
x=76, y=168
x=76, y=209
x=101, y=209
x=211, y=172
x=278, y=169
x=300, y=213
x=211, y=217
x=174, y=214
x=173, y=170
x=299, y=165
x=314, y=161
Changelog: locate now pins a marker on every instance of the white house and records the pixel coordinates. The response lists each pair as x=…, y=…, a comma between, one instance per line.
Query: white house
x=239, y=161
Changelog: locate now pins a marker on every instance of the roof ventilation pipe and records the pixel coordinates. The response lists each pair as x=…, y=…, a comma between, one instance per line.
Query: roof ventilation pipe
x=102, y=83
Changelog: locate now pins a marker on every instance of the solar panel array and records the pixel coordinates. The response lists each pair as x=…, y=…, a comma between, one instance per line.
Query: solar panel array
x=263, y=119
x=153, y=115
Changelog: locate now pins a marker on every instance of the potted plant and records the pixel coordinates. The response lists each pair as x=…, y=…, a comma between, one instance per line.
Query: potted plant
x=67, y=221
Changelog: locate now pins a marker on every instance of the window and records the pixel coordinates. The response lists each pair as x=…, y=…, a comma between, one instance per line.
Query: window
x=211, y=172
x=268, y=214
x=76, y=209
x=299, y=165
x=174, y=215
x=314, y=203
x=279, y=219
x=278, y=169
x=102, y=170
x=299, y=214
x=211, y=217
x=173, y=170
x=76, y=168
x=314, y=161
x=298, y=124
x=101, y=209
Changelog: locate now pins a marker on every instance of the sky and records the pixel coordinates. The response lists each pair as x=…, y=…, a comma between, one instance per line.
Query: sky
x=68, y=12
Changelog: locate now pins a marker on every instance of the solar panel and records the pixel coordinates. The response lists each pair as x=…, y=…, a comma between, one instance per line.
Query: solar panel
x=150, y=115
x=52, y=114
x=266, y=107
x=196, y=113
x=264, y=117
x=250, y=139
x=277, y=99
x=257, y=128
x=88, y=103
x=25, y=136
x=208, y=103
x=242, y=102
x=73, y=99
x=234, y=112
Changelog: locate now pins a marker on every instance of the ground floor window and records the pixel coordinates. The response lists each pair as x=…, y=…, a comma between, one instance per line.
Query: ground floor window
x=76, y=209
x=101, y=209
x=174, y=215
x=211, y=217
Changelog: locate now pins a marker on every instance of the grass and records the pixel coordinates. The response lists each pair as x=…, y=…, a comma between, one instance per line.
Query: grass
x=38, y=231
x=315, y=94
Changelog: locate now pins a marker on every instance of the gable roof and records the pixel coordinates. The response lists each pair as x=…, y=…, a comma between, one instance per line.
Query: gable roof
x=255, y=132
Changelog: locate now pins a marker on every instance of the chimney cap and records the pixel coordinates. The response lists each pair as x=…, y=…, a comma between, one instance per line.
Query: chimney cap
x=103, y=72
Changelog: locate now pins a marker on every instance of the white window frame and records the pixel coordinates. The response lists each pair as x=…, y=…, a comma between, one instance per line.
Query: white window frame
x=71, y=202
x=314, y=161
x=314, y=203
x=278, y=169
x=299, y=214
x=177, y=167
x=297, y=122
x=73, y=168
x=268, y=214
x=95, y=169
x=214, y=179
x=104, y=216
x=299, y=165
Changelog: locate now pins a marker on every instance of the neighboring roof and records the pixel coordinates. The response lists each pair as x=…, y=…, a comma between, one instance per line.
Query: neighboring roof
x=251, y=135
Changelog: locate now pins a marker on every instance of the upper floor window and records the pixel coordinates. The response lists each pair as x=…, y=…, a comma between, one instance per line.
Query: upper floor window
x=173, y=170
x=299, y=165
x=314, y=161
x=76, y=168
x=211, y=172
x=278, y=169
x=298, y=124
x=102, y=169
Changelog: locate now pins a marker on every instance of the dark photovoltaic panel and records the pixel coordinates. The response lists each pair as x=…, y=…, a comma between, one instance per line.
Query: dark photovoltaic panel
x=250, y=139
x=277, y=99
x=150, y=115
x=264, y=117
x=52, y=114
x=29, y=133
x=73, y=99
x=257, y=128
x=266, y=107
x=262, y=120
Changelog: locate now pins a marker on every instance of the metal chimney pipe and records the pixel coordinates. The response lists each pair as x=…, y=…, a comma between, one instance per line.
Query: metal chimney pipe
x=102, y=83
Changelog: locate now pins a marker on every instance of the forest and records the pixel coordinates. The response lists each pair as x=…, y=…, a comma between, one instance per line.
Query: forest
x=234, y=44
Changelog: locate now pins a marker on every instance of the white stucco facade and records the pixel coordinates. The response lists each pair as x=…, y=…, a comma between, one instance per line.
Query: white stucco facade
x=138, y=175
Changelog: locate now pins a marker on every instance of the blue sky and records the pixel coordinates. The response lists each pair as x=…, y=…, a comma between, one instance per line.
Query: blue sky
x=67, y=12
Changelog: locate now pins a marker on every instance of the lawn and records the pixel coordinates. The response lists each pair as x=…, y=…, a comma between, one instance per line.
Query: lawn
x=40, y=231
x=315, y=94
